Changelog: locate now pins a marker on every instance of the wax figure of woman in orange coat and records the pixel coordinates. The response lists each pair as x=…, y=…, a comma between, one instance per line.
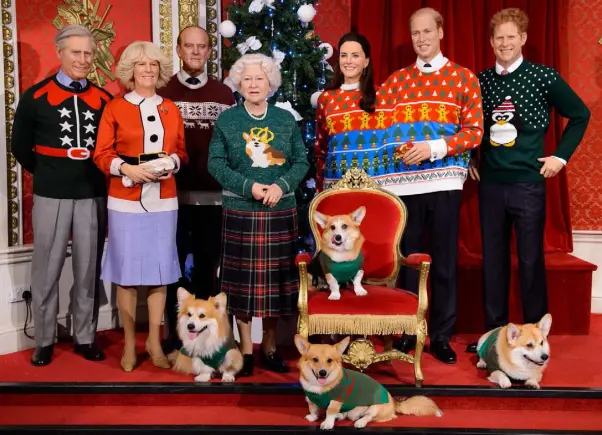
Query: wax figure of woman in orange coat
x=140, y=144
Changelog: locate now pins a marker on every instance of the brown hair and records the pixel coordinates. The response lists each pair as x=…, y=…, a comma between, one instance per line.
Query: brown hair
x=510, y=15
x=435, y=14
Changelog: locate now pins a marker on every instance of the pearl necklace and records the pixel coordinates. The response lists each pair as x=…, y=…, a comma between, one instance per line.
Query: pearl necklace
x=257, y=118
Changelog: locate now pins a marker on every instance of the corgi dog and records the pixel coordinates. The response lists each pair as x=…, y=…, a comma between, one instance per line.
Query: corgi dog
x=517, y=352
x=346, y=393
x=208, y=344
x=340, y=259
x=259, y=151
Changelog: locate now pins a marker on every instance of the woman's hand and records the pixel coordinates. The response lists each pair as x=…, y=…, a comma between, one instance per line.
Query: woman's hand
x=136, y=173
x=272, y=196
x=258, y=191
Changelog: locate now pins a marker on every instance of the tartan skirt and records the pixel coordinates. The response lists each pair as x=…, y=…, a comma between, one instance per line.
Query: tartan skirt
x=258, y=270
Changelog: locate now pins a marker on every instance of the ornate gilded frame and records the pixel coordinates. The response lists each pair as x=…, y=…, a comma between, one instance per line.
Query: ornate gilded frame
x=362, y=353
x=168, y=18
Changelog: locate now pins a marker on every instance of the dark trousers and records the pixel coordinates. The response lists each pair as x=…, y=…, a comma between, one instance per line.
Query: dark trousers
x=433, y=221
x=199, y=233
x=502, y=207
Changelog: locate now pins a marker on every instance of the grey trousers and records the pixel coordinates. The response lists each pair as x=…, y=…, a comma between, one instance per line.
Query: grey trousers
x=54, y=220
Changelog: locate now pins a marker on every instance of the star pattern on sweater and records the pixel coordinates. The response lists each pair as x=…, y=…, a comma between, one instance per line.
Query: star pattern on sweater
x=66, y=126
x=88, y=115
x=528, y=88
x=65, y=112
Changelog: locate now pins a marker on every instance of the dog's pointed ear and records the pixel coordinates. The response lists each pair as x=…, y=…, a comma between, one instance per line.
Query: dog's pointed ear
x=320, y=219
x=246, y=136
x=220, y=302
x=302, y=344
x=182, y=296
x=512, y=333
x=342, y=345
x=545, y=324
x=358, y=215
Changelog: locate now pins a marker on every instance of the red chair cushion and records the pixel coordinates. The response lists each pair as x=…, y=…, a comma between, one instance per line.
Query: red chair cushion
x=379, y=227
x=379, y=301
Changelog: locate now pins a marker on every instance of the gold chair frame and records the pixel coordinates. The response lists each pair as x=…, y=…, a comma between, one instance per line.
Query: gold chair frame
x=361, y=353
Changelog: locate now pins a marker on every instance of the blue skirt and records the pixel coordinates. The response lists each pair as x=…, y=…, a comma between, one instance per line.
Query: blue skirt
x=141, y=249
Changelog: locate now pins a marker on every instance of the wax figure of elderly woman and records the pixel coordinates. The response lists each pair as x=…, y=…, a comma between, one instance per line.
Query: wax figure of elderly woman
x=259, y=158
x=140, y=144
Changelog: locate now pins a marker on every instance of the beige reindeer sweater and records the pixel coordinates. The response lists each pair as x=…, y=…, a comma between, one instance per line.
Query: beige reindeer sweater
x=245, y=150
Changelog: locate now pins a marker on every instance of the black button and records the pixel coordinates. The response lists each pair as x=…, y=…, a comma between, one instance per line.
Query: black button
x=151, y=118
x=154, y=138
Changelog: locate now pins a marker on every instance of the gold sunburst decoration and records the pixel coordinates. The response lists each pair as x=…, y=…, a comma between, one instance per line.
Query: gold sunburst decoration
x=85, y=13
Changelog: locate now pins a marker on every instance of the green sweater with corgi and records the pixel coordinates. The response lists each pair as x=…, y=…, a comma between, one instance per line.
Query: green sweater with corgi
x=245, y=150
x=355, y=389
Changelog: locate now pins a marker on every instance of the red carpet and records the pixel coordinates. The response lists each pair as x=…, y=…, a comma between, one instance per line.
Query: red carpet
x=575, y=362
x=289, y=411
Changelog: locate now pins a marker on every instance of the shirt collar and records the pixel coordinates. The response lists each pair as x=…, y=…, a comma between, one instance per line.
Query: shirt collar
x=183, y=75
x=350, y=86
x=499, y=68
x=436, y=63
x=136, y=99
x=65, y=80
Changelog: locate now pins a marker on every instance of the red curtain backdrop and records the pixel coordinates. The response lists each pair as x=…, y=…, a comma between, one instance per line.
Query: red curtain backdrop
x=466, y=41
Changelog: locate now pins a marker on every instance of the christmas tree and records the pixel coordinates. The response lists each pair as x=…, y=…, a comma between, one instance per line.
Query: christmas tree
x=283, y=30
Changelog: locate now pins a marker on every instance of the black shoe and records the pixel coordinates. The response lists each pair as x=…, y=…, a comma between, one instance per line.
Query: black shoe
x=274, y=362
x=472, y=348
x=247, y=365
x=406, y=343
x=443, y=352
x=91, y=351
x=42, y=355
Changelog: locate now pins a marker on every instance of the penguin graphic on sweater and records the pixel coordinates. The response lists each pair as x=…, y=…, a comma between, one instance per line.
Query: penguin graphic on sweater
x=505, y=124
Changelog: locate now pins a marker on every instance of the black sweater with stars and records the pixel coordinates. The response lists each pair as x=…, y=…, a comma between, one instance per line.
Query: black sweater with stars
x=54, y=136
x=517, y=110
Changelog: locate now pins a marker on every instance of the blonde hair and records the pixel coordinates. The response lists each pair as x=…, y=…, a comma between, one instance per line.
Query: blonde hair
x=434, y=13
x=136, y=51
x=510, y=15
x=266, y=63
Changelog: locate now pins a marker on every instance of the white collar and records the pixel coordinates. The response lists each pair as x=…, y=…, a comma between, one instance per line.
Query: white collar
x=350, y=86
x=136, y=99
x=436, y=63
x=183, y=76
x=499, y=68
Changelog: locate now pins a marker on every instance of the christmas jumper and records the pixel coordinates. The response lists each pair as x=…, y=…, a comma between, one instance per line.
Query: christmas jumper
x=488, y=352
x=440, y=104
x=245, y=150
x=216, y=359
x=346, y=136
x=200, y=105
x=54, y=137
x=517, y=110
x=341, y=271
x=134, y=125
x=355, y=389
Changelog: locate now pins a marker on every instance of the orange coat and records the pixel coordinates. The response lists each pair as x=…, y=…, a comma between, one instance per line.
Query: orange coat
x=133, y=125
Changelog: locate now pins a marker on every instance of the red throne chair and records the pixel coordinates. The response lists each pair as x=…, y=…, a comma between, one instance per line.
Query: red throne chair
x=385, y=311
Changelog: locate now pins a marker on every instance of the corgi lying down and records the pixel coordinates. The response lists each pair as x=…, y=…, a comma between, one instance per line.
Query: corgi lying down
x=346, y=393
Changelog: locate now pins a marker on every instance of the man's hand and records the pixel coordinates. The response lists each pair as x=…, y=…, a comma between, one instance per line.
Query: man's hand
x=258, y=191
x=551, y=166
x=419, y=152
x=473, y=170
x=273, y=195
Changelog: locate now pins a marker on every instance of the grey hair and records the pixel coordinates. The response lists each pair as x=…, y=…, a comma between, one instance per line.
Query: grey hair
x=267, y=64
x=73, y=30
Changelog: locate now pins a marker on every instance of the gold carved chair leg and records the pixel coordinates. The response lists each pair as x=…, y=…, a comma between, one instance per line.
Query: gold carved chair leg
x=420, y=340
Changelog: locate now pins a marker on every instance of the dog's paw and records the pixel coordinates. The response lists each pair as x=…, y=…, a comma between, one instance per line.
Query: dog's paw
x=228, y=377
x=340, y=416
x=311, y=417
x=360, y=423
x=481, y=364
x=532, y=383
x=334, y=296
x=360, y=291
x=504, y=383
x=327, y=424
x=203, y=377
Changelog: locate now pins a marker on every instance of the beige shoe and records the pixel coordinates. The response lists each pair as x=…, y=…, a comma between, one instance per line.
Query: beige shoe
x=158, y=360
